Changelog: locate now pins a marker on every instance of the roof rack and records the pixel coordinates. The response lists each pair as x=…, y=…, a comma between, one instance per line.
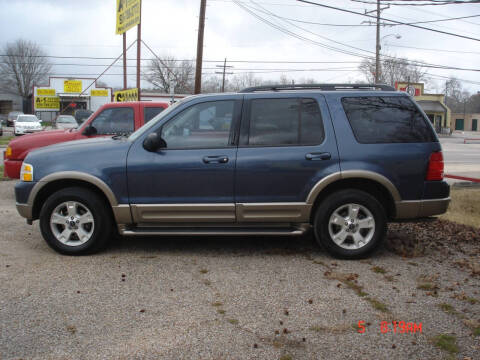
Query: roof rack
x=324, y=87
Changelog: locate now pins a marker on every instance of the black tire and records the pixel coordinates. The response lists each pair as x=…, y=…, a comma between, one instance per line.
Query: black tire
x=335, y=201
x=102, y=220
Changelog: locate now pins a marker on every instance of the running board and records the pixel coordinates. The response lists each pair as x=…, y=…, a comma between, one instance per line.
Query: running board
x=214, y=231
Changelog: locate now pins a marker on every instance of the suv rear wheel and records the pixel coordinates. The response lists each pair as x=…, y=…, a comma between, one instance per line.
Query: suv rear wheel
x=350, y=224
x=75, y=221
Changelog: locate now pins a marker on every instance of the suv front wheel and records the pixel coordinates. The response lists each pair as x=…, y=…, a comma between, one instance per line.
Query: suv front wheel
x=350, y=224
x=75, y=221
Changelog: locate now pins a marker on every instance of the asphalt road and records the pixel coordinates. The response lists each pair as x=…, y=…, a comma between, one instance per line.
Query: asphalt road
x=462, y=159
x=223, y=298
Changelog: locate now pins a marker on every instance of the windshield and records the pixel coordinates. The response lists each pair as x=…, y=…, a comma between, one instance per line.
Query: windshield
x=155, y=120
x=66, y=120
x=31, y=118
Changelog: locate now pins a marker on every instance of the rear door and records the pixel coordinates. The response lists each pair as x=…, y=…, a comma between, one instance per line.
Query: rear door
x=287, y=145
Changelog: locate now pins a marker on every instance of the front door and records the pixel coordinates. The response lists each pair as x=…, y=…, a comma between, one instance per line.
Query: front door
x=474, y=125
x=190, y=180
x=286, y=145
x=458, y=124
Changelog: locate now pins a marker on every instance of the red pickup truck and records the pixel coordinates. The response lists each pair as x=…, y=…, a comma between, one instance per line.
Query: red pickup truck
x=110, y=119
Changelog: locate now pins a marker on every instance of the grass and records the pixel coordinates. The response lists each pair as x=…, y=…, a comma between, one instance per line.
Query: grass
x=203, y=271
x=233, y=321
x=476, y=331
x=464, y=207
x=379, y=270
x=4, y=140
x=447, y=343
x=221, y=311
x=217, y=303
x=2, y=178
x=449, y=309
x=377, y=305
x=286, y=357
x=426, y=286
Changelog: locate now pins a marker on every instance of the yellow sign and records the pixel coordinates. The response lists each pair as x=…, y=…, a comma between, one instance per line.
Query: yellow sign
x=126, y=95
x=46, y=92
x=47, y=102
x=128, y=14
x=99, y=92
x=72, y=86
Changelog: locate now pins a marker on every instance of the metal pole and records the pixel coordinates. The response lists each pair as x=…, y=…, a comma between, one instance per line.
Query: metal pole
x=124, y=60
x=224, y=69
x=201, y=27
x=377, y=52
x=139, y=44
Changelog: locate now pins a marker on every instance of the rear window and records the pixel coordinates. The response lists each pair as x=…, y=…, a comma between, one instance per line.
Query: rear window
x=386, y=119
x=283, y=122
x=150, y=112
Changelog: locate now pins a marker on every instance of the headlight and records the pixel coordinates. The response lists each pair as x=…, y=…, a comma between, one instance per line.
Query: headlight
x=26, y=174
x=8, y=152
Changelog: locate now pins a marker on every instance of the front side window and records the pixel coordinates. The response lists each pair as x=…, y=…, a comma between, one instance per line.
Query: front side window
x=386, y=119
x=205, y=125
x=280, y=122
x=114, y=121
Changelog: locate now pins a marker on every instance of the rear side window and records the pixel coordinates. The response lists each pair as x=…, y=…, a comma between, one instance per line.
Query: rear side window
x=150, y=112
x=386, y=119
x=280, y=122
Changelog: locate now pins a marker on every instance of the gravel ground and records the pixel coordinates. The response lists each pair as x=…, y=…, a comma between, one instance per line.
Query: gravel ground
x=238, y=298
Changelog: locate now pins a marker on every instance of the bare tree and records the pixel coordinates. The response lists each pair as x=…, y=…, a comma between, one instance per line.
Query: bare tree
x=166, y=68
x=242, y=81
x=23, y=66
x=392, y=70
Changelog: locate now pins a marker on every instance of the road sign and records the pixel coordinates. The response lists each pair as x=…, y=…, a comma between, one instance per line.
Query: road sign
x=128, y=15
x=126, y=95
x=99, y=92
x=46, y=92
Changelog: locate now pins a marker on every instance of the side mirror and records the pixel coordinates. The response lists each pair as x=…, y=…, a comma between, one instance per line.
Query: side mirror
x=153, y=142
x=89, y=130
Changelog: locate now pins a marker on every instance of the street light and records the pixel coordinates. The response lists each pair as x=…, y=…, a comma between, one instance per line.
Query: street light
x=377, y=54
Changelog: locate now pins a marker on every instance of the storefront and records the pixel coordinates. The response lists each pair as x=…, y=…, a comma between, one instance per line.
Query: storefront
x=66, y=95
x=432, y=104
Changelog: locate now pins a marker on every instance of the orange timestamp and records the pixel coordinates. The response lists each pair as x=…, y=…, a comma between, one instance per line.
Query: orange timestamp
x=395, y=327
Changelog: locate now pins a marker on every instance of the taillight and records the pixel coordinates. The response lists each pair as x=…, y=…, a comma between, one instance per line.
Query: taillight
x=435, y=167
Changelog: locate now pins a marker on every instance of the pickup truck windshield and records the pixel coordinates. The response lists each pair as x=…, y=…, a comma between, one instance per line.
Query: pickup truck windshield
x=155, y=120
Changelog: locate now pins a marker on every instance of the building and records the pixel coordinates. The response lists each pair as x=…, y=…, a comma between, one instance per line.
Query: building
x=432, y=104
x=65, y=95
x=10, y=102
x=465, y=122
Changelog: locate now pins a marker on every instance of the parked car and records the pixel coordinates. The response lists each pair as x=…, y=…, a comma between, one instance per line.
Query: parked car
x=81, y=115
x=65, y=122
x=26, y=124
x=342, y=160
x=12, y=116
x=108, y=120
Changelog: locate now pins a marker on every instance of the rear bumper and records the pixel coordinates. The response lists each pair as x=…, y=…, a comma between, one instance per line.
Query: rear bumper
x=12, y=168
x=412, y=209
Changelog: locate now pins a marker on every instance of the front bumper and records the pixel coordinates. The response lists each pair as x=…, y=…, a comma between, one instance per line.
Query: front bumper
x=25, y=211
x=21, y=131
x=12, y=168
x=22, y=193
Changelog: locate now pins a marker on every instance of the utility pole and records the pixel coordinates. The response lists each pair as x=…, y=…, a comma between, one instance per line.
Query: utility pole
x=139, y=44
x=378, y=46
x=124, y=60
x=223, y=72
x=377, y=50
x=201, y=28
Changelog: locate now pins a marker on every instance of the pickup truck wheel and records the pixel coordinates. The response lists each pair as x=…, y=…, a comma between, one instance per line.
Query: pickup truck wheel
x=75, y=221
x=350, y=224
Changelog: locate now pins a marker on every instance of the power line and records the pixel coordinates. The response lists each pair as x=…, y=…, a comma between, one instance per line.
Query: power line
x=393, y=21
x=418, y=2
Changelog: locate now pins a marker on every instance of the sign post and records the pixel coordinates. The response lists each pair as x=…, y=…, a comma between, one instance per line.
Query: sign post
x=128, y=15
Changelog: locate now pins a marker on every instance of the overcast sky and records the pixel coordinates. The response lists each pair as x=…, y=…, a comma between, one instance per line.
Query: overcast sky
x=87, y=28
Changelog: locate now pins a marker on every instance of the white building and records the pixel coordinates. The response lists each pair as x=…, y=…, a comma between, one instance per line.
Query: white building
x=65, y=95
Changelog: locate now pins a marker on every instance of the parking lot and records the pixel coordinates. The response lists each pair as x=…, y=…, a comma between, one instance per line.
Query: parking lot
x=239, y=298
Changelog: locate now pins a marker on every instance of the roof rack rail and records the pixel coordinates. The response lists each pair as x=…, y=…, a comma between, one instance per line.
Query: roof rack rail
x=324, y=87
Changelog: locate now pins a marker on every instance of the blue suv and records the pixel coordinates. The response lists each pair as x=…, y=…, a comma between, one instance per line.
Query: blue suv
x=274, y=160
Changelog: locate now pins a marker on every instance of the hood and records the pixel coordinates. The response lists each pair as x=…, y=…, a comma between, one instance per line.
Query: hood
x=21, y=146
x=93, y=156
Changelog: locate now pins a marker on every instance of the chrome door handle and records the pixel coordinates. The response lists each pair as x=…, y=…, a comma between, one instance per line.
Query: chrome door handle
x=318, y=156
x=218, y=159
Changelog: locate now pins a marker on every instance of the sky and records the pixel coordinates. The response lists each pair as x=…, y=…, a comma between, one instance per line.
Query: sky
x=269, y=46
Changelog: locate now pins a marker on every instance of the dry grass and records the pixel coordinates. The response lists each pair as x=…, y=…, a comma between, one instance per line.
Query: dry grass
x=464, y=207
